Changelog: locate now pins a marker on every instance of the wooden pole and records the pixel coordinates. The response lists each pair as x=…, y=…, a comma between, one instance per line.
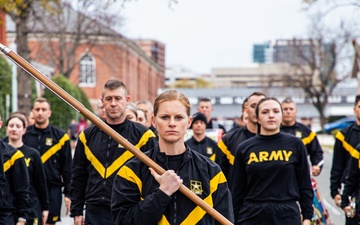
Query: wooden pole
x=108, y=130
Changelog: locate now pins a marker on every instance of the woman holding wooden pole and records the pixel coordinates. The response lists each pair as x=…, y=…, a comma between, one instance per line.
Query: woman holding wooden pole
x=142, y=196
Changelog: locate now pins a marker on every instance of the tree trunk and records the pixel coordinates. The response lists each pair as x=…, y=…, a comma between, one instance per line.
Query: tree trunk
x=24, y=79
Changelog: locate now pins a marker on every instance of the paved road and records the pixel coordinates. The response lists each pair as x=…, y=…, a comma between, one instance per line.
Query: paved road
x=336, y=214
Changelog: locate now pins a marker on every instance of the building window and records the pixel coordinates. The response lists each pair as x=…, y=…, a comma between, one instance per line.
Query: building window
x=87, y=71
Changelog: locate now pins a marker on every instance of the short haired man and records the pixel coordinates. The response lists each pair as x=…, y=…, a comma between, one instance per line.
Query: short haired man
x=53, y=145
x=100, y=110
x=308, y=137
x=344, y=153
x=200, y=142
x=98, y=157
x=148, y=108
x=205, y=107
x=230, y=141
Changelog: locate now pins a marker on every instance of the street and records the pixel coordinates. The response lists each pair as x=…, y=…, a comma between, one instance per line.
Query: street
x=336, y=214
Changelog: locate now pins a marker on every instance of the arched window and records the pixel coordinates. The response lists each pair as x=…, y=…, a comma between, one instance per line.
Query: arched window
x=87, y=75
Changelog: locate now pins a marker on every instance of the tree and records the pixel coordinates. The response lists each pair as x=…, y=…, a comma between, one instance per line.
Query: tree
x=62, y=113
x=66, y=28
x=19, y=11
x=5, y=78
x=318, y=66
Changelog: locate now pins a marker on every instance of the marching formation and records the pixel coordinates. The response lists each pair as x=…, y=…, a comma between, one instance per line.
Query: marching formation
x=259, y=172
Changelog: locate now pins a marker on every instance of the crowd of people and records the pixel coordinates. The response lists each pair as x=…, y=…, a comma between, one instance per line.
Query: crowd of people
x=259, y=172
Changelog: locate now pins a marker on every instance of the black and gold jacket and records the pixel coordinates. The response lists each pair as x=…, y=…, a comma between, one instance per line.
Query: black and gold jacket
x=346, y=141
x=98, y=158
x=137, y=199
x=53, y=145
x=309, y=139
x=16, y=195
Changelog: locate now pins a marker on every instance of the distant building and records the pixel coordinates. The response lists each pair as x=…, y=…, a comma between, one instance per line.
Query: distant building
x=292, y=51
x=178, y=73
x=256, y=75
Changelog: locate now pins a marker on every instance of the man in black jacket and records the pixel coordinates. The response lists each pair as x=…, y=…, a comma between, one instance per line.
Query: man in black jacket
x=98, y=157
x=308, y=137
x=200, y=142
x=53, y=145
x=205, y=107
x=346, y=141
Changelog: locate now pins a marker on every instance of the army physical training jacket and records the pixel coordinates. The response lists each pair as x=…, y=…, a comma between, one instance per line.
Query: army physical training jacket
x=54, y=147
x=16, y=196
x=346, y=141
x=137, y=199
x=98, y=158
x=309, y=139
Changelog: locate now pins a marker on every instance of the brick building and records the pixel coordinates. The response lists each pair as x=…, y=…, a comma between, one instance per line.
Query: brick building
x=140, y=64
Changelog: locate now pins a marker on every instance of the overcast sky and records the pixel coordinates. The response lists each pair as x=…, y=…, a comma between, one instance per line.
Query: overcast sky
x=205, y=34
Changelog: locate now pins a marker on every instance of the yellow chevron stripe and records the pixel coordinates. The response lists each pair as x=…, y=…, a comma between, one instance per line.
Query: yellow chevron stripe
x=144, y=138
x=163, y=221
x=353, y=152
x=10, y=162
x=107, y=172
x=309, y=139
x=57, y=147
x=195, y=216
x=226, y=151
x=91, y=157
x=128, y=174
x=213, y=157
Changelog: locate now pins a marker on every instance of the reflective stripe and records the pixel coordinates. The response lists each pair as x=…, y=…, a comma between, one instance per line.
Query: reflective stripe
x=107, y=172
x=54, y=149
x=128, y=174
x=213, y=157
x=163, y=221
x=226, y=151
x=352, y=151
x=10, y=162
x=145, y=138
x=310, y=138
x=91, y=157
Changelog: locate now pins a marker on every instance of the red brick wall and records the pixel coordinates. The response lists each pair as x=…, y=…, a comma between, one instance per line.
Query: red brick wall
x=2, y=28
x=140, y=74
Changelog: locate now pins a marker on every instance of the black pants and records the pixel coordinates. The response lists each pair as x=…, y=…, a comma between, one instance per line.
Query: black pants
x=269, y=214
x=55, y=199
x=98, y=215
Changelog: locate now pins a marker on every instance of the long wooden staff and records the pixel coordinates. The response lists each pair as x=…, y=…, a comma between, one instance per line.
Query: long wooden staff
x=108, y=130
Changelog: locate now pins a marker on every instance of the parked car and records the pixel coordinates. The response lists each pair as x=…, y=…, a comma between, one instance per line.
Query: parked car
x=332, y=128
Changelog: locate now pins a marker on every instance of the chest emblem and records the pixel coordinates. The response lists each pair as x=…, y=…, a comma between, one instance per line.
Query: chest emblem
x=196, y=187
x=49, y=141
x=209, y=150
x=298, y=134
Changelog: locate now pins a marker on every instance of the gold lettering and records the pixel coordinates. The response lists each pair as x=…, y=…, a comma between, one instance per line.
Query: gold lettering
x=27, y=161
x=287, y=155
x=252, y=158
x=263, y=156
x=276, y=155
